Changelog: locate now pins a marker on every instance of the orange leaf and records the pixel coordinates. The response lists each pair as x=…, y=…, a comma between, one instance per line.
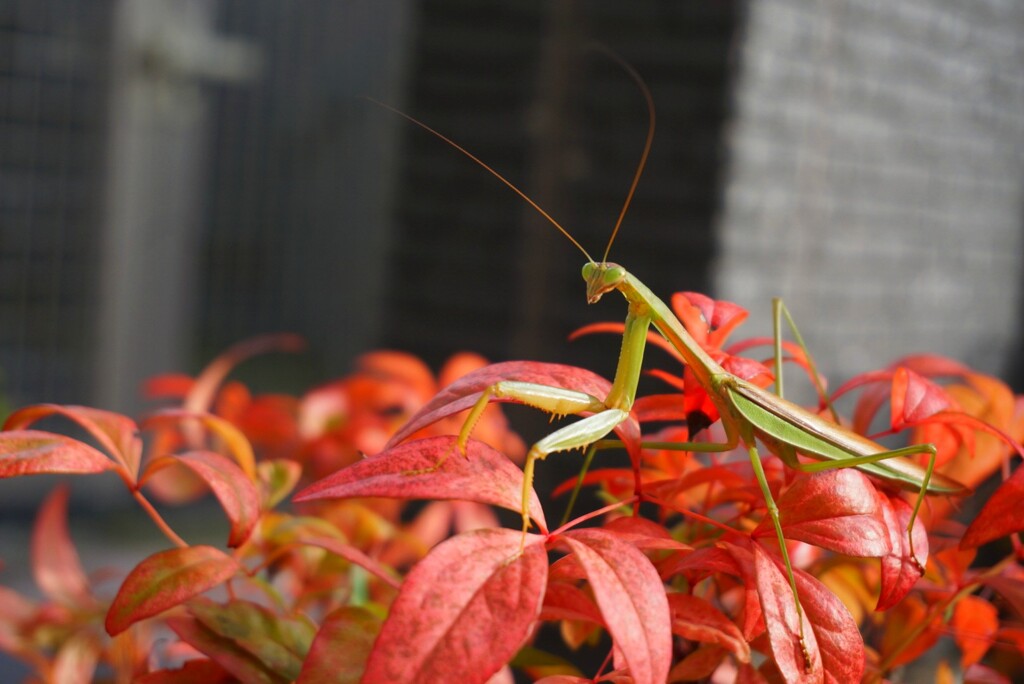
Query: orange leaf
x=974, y=624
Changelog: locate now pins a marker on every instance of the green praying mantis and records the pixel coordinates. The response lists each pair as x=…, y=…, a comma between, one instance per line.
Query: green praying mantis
x=749, y=414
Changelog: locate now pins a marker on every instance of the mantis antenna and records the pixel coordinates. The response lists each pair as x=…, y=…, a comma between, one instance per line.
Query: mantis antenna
x=636, y=176
x=647, y=144
x=490, y=170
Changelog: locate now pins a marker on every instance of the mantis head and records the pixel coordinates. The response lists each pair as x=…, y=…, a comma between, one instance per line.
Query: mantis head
x=601, y=278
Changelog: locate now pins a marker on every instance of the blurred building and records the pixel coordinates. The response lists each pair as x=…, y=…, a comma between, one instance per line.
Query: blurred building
x=176, y=175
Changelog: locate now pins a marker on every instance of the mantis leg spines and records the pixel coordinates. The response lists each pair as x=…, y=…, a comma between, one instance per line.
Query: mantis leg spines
x=557, y=401
x=578, y=435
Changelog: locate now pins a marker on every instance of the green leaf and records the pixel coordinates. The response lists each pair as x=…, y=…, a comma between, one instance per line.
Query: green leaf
x=280, y=643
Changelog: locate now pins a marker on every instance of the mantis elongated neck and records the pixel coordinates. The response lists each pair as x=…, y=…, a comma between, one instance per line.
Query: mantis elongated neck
x=640, y=297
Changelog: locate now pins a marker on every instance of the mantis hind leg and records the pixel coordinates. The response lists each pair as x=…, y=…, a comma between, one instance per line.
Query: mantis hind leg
x=773, y=514
x=779, y=311
x=854, y=461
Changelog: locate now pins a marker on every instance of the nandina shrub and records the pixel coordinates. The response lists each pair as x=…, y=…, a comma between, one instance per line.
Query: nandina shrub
x=677, y=578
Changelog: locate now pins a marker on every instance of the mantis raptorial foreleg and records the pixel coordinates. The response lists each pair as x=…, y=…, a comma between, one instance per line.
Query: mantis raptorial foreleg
x=557, y=401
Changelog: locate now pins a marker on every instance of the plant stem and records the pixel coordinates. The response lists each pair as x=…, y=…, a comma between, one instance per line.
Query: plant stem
x=158, y=519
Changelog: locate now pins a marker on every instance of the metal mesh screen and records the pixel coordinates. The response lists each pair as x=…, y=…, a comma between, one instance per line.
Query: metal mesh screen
x=52, y=123
x=876, y=176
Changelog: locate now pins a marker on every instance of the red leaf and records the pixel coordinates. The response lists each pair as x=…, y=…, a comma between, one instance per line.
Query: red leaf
x=114, y=432
x=721, y=317
x=234, y=441
x=839, y=640
x=55, y=564
x=31, y=452
x=695, y=619
x=563, y=600
x=353, y=555
x=701, y=563
x=915, y=398
x=167, y=386
x=1012, y=591
x=782, y=622
x=463, y=611
x=167, y=579
x=660, y=407
x=192, y=672
x=1002, y=515
x=698, y=665
x=749, y=370
x=466, y=391
x=833, y=509
x=632, y=600
x=202, y=392
x=899, y=572
x=833, y=640
x=243, y=665
x=407, y=472
x=341, y=647
x=644, y=534
x=237, y=494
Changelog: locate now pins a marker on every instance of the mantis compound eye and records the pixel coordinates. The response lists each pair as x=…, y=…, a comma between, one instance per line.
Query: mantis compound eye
x=613, y=273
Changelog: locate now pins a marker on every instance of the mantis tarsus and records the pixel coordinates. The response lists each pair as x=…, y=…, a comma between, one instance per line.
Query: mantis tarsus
x=749, y=414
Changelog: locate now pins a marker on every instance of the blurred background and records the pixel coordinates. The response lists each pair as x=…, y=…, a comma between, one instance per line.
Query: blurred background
x=177, y=175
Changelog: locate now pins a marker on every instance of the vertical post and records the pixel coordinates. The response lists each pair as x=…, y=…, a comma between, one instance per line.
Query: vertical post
x=558, y=65
x=162, y=48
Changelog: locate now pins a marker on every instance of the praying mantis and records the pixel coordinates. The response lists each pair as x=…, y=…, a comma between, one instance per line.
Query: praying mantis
x=749, y=414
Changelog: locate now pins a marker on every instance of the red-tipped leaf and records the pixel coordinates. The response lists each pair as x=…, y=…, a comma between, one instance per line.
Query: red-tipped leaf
x=234, y=441
x=167, y=579
x=114, y=432
x=236, y=493
x=463, y=611
x=31, y=452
